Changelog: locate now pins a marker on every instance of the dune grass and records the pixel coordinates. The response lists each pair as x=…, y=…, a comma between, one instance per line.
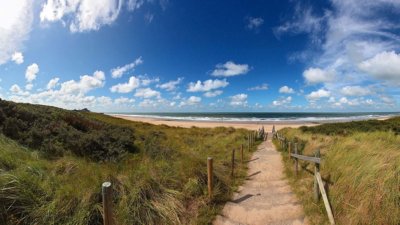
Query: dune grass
x=162, y=182
x=361, y=168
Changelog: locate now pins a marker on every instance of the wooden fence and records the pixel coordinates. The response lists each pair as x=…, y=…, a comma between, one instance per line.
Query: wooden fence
x=108, y=216
x=319, y=188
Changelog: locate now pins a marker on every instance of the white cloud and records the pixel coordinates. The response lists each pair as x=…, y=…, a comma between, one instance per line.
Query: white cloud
x=145, y=81
x=317, y=75
x=123, y=100
x=321, y=93
x=31, y=72
x=119, y=71
x=254, y=22
x=132, y=84
x=355, y=91
x=17, y=57
x=211, y=94
x=282, y=101
x=192, y=100
x=230, y=69
x=147, y=93
x=259, y=87
x=29, y=87
x=286, y=90
x=81, y=15
x=15, y=25
x=384, y=66
x=104, y=101
x=356, y=43
x=207, y=85
x=134, y=4
x=238, y=100
x=171, y=85
x=85, y=84
x=53, y=83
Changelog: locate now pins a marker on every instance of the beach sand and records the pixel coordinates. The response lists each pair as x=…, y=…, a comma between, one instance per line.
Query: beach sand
x=201, y=124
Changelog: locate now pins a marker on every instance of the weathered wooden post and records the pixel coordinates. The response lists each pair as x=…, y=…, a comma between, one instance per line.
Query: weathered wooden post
x=248, y=141
x=233, y=163
x=106, y=190
x=316, y=170
x=241, y=151
x=290, y=148
x=210, y=176
x=296, y=160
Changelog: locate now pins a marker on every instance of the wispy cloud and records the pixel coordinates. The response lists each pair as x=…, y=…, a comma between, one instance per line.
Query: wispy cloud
x=230, y=69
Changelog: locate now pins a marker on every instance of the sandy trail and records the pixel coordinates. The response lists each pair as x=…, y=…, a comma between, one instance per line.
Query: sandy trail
x=265, y=197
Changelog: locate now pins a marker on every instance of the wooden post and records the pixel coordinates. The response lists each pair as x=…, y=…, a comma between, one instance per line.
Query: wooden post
x=241, y=151
x=316, y=170
x=106, y=191
x=296, y=161
x=290, y=149
x=248, y=142
x=233, y=163
x=210, y=176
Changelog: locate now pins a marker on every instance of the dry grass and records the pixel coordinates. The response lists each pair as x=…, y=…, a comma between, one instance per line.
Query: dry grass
x=362, y=169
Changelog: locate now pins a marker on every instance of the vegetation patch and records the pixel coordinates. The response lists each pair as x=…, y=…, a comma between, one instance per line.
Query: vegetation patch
x=162, y=181
x=360, y=168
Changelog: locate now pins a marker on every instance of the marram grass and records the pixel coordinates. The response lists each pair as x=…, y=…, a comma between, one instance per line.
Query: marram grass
x=362, y=169
x=164, y=182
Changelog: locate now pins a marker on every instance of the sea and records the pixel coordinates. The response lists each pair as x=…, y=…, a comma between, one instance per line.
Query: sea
x=265, y=117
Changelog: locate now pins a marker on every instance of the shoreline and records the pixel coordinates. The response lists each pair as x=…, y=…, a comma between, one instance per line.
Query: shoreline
x=252, y=125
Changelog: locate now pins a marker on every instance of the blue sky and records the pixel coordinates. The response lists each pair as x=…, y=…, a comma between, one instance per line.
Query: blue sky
x=167, y=55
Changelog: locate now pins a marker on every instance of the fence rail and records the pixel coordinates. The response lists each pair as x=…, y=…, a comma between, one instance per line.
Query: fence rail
x=107, y=191
x=319, y=188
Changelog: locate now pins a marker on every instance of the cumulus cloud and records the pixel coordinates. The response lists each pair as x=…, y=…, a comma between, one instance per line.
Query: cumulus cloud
x=321, y=93
x=211, y=94
x=355, y=91
x=85, y=84
x=261, y=87
x=383, y=66
x=81, y=15
x=17, y=57
x=15, y=25
x=31, y=72
x=317, y=75
x=230, y=69
x=124, y=100
x=132, y=84
x=192, y=100
x=170, y=85
x=254, y=22
x=286, y=90
x=52, y=83
x=15, y=89
x=238, y=100
x=147, y=93
x=28, y=87
x=207, y=85
x=282, y=101
x=356, y=43
x=119, y=71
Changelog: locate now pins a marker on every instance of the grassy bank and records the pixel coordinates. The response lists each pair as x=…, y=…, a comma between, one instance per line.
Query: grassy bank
x=361, y=164
x=158, y=173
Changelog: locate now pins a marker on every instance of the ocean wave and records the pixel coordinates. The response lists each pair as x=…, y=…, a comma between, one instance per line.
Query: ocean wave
x=310, y=119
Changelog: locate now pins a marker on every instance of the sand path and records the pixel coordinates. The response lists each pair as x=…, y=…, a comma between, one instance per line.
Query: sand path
x=265, y=197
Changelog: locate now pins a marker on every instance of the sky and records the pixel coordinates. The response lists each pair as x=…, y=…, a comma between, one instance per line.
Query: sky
x=202, y=56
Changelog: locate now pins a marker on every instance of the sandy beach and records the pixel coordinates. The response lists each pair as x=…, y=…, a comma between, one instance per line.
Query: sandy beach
x=187, y=124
